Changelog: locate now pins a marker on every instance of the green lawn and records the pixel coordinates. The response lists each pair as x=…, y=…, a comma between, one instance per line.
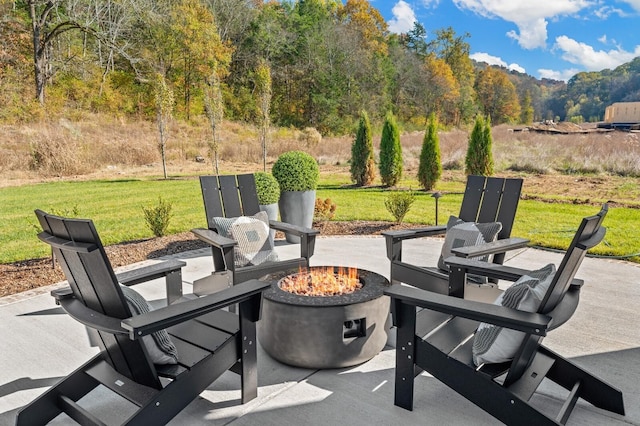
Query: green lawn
x=116, y=208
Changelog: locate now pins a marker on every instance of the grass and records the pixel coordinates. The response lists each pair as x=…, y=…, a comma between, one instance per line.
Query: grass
x=116, y=208
x=114, y=205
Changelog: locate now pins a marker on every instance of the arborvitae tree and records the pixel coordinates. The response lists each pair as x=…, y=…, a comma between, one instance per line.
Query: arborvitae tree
x=430, y=168
x=487, y=141
x=479, y=160
x=390, y=152
x=362, y=164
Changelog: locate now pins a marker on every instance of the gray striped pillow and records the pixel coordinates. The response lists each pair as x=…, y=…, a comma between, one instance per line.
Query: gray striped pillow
x=159, y=345
x=494, y=344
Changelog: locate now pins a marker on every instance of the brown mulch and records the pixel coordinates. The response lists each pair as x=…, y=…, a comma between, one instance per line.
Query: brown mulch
x=30, y=274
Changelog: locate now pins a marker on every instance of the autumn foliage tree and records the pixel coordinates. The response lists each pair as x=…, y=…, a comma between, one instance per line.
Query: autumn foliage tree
x=479, y=159
x=390, y=152
x=362, y=162
x=497, y=96
x=262, y=79
x=430, y=167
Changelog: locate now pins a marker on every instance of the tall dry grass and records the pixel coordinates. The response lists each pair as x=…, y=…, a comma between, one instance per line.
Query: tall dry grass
x=97, y=143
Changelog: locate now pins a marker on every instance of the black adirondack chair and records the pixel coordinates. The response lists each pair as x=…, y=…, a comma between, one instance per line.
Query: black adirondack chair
x=486, y=199
x=446, y=352
x=233, y=196
x=209, y=340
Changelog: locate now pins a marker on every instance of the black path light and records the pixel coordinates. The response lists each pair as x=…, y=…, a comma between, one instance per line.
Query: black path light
x=437, y=195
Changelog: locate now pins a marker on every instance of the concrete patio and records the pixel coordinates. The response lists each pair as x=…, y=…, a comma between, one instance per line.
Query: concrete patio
x=40, y=344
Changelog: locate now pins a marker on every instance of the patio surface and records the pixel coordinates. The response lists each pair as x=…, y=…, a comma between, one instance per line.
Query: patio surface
x=40, y=344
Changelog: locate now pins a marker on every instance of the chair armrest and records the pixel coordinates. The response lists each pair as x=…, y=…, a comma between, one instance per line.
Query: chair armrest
x=292, y=229
x=407, y=234
x=213, y=238
x=149, y=272
x=81, y=313
x=493, y=247
x=488, y=269
x=493, y=270
x=394, y=239
x=514, y=319
x=141, y=325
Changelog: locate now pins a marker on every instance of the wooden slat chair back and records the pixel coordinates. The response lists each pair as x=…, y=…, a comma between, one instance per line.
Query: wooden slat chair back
x=492, y=199
x=209, y=340
x=233, y=196
x=229, y=196
x=485, y=199
x=93, y=282
x=445, y=348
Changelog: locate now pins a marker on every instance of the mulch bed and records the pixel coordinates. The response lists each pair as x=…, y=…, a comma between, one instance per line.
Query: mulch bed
x=30, y=274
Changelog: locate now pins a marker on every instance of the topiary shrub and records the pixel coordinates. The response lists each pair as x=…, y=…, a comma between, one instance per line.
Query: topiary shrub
x=296, y=171
x=267, y=188
x=430, y=168
x=390, y=152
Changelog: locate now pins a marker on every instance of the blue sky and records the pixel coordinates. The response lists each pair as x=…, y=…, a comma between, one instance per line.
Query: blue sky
x=544, y=38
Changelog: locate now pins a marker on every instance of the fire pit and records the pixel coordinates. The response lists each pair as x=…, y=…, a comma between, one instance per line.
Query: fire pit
x=321, y=325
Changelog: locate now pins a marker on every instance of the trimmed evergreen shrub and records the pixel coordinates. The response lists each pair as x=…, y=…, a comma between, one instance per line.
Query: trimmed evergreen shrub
x=479, y=159
x=296, y=171
x=399, y=203
x=158, y=217
x=390, y=152
x=267, y=188
x=430, y=168
x=362, y=162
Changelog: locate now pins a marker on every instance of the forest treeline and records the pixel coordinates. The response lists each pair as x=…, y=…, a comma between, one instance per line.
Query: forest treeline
x=304, y=63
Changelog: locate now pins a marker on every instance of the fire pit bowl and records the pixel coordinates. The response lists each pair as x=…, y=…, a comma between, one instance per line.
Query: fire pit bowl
x=325, y=331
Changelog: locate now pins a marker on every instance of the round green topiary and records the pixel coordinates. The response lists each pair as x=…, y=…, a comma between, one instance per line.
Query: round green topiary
x=267, y=188
x=296, y=171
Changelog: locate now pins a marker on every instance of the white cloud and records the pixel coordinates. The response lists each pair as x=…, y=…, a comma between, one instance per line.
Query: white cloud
x=564, y=75
x=530, y=17
x=603, y=39
x=489, y=59
x=605, y=11
x=403, y=18
x=593, y=60
x=430, y=3
x=494, y=60
x=634, y=4
x=516, y=67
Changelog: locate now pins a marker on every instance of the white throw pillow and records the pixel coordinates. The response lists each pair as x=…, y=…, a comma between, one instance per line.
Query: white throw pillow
x=159, y=345
x=252, y=235
x=493, y=344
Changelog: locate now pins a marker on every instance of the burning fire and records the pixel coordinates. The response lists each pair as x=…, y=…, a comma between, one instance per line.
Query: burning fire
x=324, y=281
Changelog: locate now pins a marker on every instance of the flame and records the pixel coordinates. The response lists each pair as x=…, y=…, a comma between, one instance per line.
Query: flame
x=322, y=281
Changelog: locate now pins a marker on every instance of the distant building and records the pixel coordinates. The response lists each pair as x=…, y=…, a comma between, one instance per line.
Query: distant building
x=622, y=115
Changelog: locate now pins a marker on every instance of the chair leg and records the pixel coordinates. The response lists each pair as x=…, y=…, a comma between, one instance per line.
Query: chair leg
x=405, y=355
x=249, y=356
x=46, y=407
x=592, y=389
